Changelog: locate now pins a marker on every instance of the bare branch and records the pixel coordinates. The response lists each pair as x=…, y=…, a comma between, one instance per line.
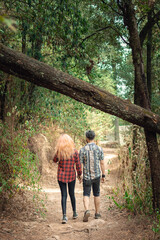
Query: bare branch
x=101, y=29
x=91, y=35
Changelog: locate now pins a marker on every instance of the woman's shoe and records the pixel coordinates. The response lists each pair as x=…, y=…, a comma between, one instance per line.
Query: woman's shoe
x=75, y=215
x=64, y=219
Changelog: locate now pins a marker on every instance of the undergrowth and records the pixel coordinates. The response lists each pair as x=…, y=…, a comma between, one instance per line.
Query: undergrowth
x=134, y=191
x=18, y=168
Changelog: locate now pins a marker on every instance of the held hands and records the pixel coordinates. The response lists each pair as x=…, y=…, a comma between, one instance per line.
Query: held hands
x=80, y=179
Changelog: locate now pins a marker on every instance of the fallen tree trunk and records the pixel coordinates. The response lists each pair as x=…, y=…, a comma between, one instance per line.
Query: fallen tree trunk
x=41, y=74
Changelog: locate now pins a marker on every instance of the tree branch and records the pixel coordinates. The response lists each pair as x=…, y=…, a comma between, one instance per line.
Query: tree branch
x=148, y=26
x=109, y=5
x=120, y=6
x=101, y=29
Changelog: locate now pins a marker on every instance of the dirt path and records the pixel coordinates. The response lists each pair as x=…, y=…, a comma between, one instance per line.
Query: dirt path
x=114, y=224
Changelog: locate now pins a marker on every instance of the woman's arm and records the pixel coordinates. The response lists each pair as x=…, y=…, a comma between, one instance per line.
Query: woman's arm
x=78, y=164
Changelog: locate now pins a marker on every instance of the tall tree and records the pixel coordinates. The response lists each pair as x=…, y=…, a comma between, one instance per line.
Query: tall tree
x=142, y=95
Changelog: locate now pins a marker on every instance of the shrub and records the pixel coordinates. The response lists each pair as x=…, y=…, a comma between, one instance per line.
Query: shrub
x=18, y=166
x=135, y=184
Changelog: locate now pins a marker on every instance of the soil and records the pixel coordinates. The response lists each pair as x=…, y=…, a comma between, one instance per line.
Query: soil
x=20, y=222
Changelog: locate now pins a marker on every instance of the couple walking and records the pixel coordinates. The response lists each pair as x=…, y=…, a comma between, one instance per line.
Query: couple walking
x=91, y=160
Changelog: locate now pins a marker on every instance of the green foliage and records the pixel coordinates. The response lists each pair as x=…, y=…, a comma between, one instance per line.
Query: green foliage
x=156, y=222
x=155, y=75
x=128, y=201
x=18, y=166
x=117, y=204
x=70, y=115
x=9, y=22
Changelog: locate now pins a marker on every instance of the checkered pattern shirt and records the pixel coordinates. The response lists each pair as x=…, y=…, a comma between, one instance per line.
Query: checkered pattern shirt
x=90, y=156
x=66, y=168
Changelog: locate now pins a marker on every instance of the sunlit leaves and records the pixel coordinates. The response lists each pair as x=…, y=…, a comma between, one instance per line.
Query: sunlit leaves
x=8, y=22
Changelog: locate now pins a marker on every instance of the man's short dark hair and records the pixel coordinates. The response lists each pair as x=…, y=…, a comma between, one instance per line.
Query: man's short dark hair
x=90, y=134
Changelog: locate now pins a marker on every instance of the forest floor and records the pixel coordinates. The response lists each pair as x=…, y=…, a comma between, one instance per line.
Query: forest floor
x=20, y=222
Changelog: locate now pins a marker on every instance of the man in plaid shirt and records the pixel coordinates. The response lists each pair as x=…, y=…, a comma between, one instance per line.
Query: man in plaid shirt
x=92, y=160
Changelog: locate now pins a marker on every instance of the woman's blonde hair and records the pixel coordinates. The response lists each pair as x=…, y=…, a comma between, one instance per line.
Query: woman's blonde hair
x=64, y=147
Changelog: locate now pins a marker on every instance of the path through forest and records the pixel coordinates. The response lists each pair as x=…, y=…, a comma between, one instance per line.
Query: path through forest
x=114, y=224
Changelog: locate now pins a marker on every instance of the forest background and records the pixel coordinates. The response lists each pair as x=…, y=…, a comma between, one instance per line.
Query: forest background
x=91, y=41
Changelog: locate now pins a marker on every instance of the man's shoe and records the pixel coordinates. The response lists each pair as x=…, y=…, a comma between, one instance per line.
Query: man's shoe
x=97, y=215
x=64, y=219
x=75, y=215
x=86, y=216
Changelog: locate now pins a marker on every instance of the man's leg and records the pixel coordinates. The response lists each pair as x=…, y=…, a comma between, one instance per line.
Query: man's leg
x=96, y=193
x=86, y=196
x=97, y=204
x=86, y=202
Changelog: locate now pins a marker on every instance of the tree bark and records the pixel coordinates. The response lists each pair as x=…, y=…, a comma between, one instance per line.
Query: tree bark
x=41, y=74
x=149, y=58
x=116, y=124
x=23, y=33
x=3, y=101
x=154, y=158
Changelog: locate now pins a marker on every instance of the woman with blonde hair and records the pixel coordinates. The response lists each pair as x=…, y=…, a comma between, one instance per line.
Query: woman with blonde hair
x=67, y=157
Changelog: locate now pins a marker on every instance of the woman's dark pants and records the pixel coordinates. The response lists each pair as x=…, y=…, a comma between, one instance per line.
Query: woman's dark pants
x=71, y=187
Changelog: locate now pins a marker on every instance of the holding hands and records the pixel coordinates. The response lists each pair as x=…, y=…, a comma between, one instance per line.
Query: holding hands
x=80, y=179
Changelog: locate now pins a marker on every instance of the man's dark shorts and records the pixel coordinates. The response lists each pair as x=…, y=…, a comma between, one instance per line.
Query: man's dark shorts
x=95, y=184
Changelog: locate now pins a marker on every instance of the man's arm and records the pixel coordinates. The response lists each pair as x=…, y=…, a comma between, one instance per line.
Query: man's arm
x=102, y=165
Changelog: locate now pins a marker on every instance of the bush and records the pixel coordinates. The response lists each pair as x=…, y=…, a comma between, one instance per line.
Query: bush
x=135, y=189
x=18, y=166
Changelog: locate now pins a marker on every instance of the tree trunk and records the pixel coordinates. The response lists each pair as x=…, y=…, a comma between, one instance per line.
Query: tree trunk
x=116, y=121
x=24, y=28
x=154, y=157
x=3, y=101
x=143, y=97
x=116, y=124
x=41, y=74
x=149, y=53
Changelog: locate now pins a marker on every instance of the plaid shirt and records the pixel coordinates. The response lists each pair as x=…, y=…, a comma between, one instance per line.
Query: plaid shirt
x=90, y=156
x=66, y=169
